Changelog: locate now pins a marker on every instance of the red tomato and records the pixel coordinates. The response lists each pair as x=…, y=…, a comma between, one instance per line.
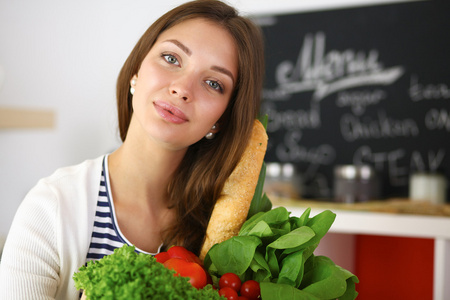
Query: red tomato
x=183, y=253
x=228, y=293
x=195, y=272
x=162, y=257
x=250, y=289
x=230, y=280
x=242, y=298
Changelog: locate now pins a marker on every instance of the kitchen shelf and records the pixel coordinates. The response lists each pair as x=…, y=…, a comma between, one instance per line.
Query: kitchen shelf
x=15, y=118
x=364, y=219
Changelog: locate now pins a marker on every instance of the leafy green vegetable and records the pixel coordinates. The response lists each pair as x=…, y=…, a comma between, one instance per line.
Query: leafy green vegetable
x=276, y=250
x=236, y=264
x=283, y=291
x=126, y=274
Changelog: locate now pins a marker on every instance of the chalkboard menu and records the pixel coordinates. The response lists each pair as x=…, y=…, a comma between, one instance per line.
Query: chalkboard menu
x=363, y=85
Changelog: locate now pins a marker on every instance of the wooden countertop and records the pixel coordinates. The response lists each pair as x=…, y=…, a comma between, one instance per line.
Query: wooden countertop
x=395, y=206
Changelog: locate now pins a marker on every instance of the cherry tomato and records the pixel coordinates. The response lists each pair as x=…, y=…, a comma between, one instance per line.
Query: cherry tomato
x=183, y=253
x=242, y=298
x=228, y=293
x=230, y=280
x=250, y=289
x=162, y=257
x=197, y=275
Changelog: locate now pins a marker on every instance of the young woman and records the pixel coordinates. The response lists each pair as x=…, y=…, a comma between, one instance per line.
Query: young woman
x=187, y=97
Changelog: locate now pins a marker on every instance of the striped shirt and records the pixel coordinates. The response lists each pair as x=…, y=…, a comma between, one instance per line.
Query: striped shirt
x=106, y=235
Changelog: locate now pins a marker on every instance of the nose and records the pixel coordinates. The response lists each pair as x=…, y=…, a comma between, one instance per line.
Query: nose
x=182, y=88
x=179, y=94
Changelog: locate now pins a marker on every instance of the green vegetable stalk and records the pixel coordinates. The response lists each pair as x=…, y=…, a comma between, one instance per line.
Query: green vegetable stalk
x=126, y=274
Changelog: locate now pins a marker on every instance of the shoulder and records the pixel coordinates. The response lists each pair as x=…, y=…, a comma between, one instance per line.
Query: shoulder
x=68, y=188
x=89, y=169
x=56, y=217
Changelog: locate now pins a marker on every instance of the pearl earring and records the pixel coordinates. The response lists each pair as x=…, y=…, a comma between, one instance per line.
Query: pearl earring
x=211, y=135
x=133, y=83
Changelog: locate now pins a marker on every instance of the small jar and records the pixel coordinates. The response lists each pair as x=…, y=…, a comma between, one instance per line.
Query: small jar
x=282, y=180
x=430, y=187
x=355, y=183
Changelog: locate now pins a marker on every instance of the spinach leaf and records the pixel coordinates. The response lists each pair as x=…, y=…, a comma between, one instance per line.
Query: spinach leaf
x=261, y=229
x=233, y=255
x=299, y=222
x=292, y=269
x=260, y=268
x=283, y=291
x=325, y=280
x=293, y=239
x=273, y=217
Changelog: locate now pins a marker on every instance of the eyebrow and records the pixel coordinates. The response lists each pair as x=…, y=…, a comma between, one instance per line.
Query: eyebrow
x=181, y=46
x=223, y=71
x=188, y=51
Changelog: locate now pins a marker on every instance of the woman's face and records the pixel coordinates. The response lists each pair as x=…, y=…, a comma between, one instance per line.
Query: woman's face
x=185, y=83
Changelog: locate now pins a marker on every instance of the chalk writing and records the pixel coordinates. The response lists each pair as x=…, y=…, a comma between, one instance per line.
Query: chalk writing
x=419, y=92
x=396, y=162
x=275, y=94
x=292, y=119
x=327, y=73
x=435, y=159
x=354, y=128
x=397, y=173
x=291, y=150
x=437, y=119
x=359, y=100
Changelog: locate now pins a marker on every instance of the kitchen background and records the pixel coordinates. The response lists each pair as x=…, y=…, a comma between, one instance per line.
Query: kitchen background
x=61, y=60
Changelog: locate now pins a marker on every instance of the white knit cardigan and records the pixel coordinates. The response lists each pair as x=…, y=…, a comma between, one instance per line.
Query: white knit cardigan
x=50, y=235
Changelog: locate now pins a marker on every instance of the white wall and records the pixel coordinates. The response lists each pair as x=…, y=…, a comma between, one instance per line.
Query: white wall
x=65, y=56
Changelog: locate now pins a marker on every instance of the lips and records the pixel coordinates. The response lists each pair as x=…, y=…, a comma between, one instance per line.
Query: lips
x=170, y=113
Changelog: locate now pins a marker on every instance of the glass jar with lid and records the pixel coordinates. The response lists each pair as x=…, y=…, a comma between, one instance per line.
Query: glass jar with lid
x=282, y=180
x=355, y=183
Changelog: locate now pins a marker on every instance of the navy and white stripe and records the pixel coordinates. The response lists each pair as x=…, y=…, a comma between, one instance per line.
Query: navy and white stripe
x=106, y=235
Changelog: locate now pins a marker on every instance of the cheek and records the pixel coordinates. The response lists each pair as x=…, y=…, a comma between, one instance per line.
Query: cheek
x=215, y=109
x=151, y=75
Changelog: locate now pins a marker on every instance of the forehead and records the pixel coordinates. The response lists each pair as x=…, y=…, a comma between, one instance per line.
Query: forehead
x=192, y=28
x=204, y=37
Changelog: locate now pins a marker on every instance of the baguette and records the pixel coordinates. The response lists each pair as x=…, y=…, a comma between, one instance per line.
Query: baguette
x=231, y=209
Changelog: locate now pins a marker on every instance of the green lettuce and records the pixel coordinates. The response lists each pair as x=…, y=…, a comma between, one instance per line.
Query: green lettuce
x=126, y=274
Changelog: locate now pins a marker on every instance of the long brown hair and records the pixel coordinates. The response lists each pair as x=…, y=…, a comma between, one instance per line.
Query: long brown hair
x=199, y=180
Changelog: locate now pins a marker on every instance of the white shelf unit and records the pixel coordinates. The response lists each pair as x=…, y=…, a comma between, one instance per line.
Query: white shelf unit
x=402, y=225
